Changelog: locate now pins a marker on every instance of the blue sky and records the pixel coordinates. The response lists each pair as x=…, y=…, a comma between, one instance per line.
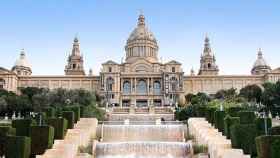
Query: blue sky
x=45, y=29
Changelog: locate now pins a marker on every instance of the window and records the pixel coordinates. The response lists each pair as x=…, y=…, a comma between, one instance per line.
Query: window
x=74, y=66
x=173, y=69
x=2, y=83
x=141, y=87
x=126, y=87
x=174, y=84
x=157, y=87
x=209, y=65
x=110, y=82
x=110, y=69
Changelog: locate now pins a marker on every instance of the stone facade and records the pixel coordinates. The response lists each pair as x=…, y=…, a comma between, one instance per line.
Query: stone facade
x=140, y=80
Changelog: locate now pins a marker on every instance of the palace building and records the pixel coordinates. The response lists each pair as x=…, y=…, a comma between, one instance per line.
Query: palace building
x=141, y=80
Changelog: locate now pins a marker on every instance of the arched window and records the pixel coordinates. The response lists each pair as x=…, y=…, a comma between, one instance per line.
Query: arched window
x=110, y=69
x=126, y=87
x=74, y=66
x=157, y=87
x=141, y=87
x=209, y=65
x=110, y=83
x=2, y=83
x=174, y=84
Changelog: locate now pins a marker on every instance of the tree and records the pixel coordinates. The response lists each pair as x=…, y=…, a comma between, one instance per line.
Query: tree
x=271, y=97
x=228, y=94
x=251, y=93
x=3, y=104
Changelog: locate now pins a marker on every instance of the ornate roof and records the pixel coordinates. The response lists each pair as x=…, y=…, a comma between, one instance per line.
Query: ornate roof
x=260, y=62
x=22, y=60
x=141, y=31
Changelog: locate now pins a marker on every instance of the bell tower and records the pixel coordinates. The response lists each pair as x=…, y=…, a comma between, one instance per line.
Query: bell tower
x=208, y=61
x=75, y=64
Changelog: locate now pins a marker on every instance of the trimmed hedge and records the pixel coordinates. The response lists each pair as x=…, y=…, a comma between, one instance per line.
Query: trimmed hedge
x=274, y=130
x=228, y=122
x=219, y=120
x=42, y=138
x=210, y=111
x=201, y=111
x=243, y=137
x=76, y=110
x=50, y=112
x=5, y=131
x=69, y=116
x=261, y=125
x=266, y=146
x=18, y=147
x=247, y=117
x=275, y=151
x=233, y=111
x=59, y=125
x=23, y=126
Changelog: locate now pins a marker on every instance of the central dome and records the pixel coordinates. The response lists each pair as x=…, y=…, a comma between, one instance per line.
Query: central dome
x=141, y=43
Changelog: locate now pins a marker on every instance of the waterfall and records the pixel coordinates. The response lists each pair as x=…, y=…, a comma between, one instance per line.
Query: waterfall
x=165, y=133
x=139, y=149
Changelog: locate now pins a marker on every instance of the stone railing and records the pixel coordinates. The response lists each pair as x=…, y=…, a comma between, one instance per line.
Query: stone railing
x=82, y=134
x=218, y=145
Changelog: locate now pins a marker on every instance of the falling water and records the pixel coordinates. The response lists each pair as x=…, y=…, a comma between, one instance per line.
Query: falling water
x=143, y=150
x=121, y=133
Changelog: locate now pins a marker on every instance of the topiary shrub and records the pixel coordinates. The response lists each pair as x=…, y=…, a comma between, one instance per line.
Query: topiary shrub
x=219, y=120
x=233, y=111
x=50, y=112
x=243, y=137
x=42, y=138
x=264, y=146
x=275, y=148
x=23, y=126
x=274, y=130
x=228, y=122
x=59, y=125
x=210, y=111
x=18, y=147
x=5, y=131
x=69, y=116
x=200, y=111
x=76, y=110
x=247, y=117
x=260, y=124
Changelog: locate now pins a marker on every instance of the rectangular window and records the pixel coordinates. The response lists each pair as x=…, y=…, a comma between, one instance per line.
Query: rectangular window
x=173, y=69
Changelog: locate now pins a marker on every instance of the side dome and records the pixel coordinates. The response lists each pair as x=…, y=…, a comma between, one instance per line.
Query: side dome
x=22, y=66
x=141, y=43
x=260, y=66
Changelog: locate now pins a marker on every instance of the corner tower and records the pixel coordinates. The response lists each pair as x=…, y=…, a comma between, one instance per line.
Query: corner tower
x=207, y=60
x=141, y=43
x=22, y=66
x=260, y=66
x=75, y=64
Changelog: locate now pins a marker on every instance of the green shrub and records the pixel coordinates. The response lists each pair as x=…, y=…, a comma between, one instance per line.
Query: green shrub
x=60, y=127
x=18, y=147
x=69, y=116
x=274, y=130
x=247, y=117
x=43, y=118
x=260, y=124
x=219, y=120
x=76, y=110
x=275, y=149
x=243, y=137
x=5, y=131
x=228, y=122
x=50, y=112
x=265, y=146
x=210, y=111
x=23, y=126
x=200, y=111
x=233, y=111
x=42, y=138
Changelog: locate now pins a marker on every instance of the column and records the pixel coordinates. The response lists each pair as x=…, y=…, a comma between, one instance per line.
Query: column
x=148, y=85
x=131, y=85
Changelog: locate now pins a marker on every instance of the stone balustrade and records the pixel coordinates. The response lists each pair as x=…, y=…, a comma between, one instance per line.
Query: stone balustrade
x=82, y=134
x=218, y=145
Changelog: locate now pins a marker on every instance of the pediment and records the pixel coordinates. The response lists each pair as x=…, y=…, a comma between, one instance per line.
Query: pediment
x=4, y=71
x=173, y=62
x=110, y=62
